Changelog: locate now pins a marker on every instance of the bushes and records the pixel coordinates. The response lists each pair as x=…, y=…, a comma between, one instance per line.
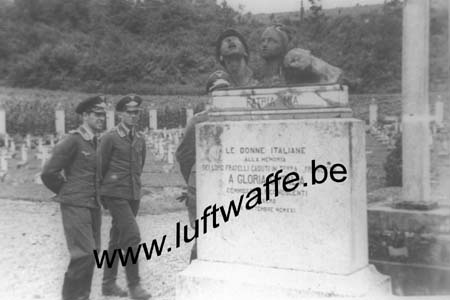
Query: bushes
x=32, y=111
x=120, y=43
x=48, y=66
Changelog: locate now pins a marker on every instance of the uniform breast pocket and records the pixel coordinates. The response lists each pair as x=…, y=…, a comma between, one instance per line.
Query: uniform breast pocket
x=87, y=157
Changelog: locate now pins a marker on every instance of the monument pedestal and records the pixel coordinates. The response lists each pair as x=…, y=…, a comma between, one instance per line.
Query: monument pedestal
x=306, y=243
x=204, y=280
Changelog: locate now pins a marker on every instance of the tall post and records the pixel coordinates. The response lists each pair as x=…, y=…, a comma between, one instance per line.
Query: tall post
x=28, y=140
x=189, y=113
x=415, y=111
x=373, y=112
x=60, y=120
x=170, y=154
x=302, y=11
x=110, y=121
x=24, y=153
x=152, y=118
x=2, y=119
x=448, y=60
x=3, y=162
x=6, y=140
x=40, y=146
x=439, y=112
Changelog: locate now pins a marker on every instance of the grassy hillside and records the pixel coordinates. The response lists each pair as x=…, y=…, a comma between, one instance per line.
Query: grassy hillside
x=116, y=46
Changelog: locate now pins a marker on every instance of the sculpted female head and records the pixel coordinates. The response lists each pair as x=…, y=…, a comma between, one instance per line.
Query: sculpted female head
x=274, y=42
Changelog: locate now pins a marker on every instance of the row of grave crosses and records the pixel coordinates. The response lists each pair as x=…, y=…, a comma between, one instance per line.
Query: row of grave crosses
x=8, y=151
x=161, y=143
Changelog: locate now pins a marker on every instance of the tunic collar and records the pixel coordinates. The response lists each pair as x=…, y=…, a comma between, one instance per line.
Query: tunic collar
x=85, y=132
x=124, y=131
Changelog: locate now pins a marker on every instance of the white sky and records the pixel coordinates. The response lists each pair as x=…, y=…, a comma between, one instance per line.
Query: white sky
x=272, y=6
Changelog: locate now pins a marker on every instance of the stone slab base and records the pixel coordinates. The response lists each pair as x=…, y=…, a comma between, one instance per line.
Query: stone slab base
x=416, y=280
x=204, y=280
x=409, y=236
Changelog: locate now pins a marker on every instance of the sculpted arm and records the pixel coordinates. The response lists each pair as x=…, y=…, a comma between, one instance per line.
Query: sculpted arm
x=326, y=72
x=303, y=67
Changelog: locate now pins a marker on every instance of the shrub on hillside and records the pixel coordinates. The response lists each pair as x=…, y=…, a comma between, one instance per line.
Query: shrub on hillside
x=33, y=111
x=48, y=66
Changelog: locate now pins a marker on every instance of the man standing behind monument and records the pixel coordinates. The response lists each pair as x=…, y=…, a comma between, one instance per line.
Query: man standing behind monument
x=121, y=159
x=77, y=192
x=232, y=53
x=296, y=66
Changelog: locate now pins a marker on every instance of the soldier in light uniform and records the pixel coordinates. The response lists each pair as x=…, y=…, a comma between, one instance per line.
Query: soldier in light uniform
x=71, y=174
x=121, y=158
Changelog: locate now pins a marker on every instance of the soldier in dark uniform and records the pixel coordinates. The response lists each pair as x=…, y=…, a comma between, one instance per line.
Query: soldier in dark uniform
x=185, y=155
x=233, y=54
x=76, y=190
x=121, y=159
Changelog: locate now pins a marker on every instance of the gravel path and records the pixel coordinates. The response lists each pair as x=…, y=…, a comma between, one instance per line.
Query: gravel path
x=33, y=256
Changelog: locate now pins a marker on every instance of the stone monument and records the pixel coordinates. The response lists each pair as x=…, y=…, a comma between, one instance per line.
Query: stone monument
x=417, y=216
x=310, y=243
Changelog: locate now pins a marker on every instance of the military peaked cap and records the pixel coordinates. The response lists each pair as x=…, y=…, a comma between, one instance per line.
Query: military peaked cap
x=92, y=104
x=129, y=103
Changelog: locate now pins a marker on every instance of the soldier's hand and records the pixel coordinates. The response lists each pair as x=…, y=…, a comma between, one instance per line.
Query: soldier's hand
x=182, y=197
x=218, y=80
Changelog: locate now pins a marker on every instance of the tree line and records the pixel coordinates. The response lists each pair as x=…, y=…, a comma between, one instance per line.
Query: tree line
x=167, y=47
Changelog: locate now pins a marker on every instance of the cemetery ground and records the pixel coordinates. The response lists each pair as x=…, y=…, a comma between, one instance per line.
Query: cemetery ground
x=34, y=255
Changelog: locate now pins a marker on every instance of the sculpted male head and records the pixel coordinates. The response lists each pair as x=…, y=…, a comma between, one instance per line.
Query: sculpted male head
x=231, y=45
x=274, y=42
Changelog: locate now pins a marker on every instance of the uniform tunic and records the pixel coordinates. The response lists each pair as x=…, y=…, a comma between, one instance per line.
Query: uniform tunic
x=121, y=158
x=71, y=174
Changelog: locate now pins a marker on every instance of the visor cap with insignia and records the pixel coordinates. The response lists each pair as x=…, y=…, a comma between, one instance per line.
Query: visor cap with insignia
x=92, y=104
x=129, y=103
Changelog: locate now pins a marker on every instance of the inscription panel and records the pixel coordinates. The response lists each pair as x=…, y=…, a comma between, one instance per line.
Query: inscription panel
x=325, y=96
x=295, y=229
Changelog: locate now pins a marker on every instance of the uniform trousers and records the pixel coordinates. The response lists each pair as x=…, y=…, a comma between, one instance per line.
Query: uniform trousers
x=82, y=231
x=124, y=234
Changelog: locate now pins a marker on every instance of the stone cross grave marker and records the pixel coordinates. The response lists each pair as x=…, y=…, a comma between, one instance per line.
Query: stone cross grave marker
x=28, y=141
x=24, y=153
